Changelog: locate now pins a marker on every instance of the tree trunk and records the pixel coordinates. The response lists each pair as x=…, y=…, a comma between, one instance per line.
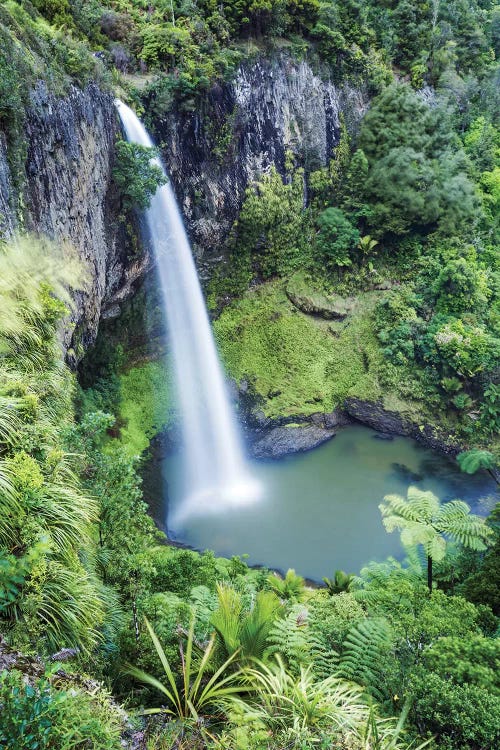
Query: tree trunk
x=429, y=573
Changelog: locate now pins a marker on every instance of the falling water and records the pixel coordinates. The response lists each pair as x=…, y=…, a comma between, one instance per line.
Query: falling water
x=215, y=472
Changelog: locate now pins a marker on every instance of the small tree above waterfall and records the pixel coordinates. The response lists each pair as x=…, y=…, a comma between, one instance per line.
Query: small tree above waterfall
x=136, y=175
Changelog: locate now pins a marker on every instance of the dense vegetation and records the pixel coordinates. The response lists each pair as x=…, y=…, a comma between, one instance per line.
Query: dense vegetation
x=399, y=241
x=264, y=661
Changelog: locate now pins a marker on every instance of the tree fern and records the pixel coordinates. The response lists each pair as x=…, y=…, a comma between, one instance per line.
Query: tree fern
x=422, y=519
x=473, y=460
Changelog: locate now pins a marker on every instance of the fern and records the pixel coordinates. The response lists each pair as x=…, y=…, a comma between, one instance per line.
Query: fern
x=324, y=659
x=289, y=638
x=473, y=460
x=364, y=653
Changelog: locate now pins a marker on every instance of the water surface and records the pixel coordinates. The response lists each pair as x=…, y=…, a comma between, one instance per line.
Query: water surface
x=319, y=510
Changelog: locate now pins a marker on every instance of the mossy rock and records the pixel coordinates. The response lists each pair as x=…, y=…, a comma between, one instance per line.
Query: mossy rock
x=295, y=364
x=301, y=293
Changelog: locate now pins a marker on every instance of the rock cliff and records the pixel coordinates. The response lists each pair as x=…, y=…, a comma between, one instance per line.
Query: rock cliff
x=240, y=129
x=237, y=131
x=68, y=196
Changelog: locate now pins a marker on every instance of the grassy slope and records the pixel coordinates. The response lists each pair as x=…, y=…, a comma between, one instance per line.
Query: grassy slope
x=301, y=364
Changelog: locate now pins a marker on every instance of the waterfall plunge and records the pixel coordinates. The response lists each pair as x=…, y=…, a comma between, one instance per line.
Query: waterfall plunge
x=215, y=474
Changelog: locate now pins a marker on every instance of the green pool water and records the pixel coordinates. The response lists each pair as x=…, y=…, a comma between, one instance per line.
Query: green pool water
x=318, y=511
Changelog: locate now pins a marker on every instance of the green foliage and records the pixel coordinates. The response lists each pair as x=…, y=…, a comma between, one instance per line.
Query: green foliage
x=46, y=520
x=291, y=587
x=423, y=520
x=272, y=226
x=332, y=617
x=240, y=631
x=144, y=405
x=473, y=460
x=289, y=637
x=460, y=286
x=301, y=711
x=482, y=586
x=39, y=717
x=459, y=716
x=136, y=174
x=336, y=239
x=413, y=178
x=489, y=415
x=467, y=349
x=265, y=341
x=180, y=570
x=471, y=661
x=340, y=582
x=365, y=653
x=195, y=698
x=399, y=593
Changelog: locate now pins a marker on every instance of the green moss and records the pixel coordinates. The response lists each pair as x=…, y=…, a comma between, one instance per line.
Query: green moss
x=144, y=406
x=299, y=364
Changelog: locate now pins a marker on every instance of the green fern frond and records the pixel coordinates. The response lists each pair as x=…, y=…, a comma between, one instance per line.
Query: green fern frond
x=364, y=654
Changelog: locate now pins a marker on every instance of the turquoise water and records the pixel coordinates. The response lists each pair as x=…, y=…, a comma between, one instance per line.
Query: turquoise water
x=319, y=510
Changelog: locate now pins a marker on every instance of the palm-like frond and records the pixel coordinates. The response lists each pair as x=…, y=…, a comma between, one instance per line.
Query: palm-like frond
x=243, y=630
x=256, y=625
x=423, y=520
x=198, y=694
x=290, y=587
x=227, y=617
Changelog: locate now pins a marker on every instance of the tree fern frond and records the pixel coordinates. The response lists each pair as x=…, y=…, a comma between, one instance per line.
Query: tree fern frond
x=288, y=638
x=364, y=654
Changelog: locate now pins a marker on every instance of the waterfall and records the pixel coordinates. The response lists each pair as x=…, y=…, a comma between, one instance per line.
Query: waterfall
x=215, y=471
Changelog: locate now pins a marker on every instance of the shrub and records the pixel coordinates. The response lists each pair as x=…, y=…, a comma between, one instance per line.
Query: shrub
x=459, y=716
x=39, y=717
x=136, y=175
x=335, y=239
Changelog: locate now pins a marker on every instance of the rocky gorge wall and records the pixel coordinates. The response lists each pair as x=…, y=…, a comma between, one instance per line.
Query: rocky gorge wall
x=236, y=132
x=271, y=107
x=68, y=196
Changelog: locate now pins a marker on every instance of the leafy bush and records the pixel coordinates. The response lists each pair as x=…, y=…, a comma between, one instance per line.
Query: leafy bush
x=39, y=717
x=136, y=175
x=336, y=239
x=459, y=716
x=272, y=227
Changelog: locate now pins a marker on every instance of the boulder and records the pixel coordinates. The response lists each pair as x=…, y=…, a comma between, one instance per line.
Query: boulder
x=283, y=441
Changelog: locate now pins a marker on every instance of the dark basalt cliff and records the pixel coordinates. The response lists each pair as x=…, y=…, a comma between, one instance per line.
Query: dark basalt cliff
x=68, y=197
x=242, y=128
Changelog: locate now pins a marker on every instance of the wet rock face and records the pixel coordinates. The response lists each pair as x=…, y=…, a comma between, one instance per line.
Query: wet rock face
x=69, y=197
x=240, y=129
x=7, y=218
x=237, y=131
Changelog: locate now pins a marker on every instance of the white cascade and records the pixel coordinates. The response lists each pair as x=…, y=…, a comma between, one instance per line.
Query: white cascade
x=215, y=470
